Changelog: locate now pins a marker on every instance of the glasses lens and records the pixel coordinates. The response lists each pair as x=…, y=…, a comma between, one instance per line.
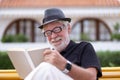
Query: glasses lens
x=47, y=33
x=57, y=29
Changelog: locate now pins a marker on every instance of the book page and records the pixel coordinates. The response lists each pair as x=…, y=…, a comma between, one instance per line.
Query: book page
x=36, y=55
x=21, y=61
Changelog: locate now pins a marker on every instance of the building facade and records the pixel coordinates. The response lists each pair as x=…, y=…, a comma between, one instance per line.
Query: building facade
x=91, y=20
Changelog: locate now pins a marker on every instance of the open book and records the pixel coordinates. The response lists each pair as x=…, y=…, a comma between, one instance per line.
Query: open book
x=25, y=60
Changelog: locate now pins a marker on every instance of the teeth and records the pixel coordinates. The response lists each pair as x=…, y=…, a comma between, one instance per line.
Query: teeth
x=56, y=39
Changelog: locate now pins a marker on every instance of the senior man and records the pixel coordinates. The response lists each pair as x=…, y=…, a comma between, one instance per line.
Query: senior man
x=77, y=61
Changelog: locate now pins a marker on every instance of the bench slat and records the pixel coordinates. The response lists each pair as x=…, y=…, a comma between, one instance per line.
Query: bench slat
x=109, y=73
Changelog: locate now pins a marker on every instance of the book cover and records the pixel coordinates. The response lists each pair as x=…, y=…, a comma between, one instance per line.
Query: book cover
x=25, y=60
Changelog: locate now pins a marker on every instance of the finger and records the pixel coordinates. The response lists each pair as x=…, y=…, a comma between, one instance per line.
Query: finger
x=56, y=52
x=46, y=58
x=46, y=52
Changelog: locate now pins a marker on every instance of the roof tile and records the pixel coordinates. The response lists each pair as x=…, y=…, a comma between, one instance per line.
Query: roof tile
x=51, y=3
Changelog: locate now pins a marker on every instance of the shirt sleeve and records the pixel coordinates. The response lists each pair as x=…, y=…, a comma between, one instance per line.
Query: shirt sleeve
x=90, y=59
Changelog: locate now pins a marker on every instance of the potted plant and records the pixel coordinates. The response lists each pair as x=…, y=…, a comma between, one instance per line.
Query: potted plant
x=116, y=34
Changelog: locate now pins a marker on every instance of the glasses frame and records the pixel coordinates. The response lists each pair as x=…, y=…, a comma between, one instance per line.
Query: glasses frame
x=54, y=30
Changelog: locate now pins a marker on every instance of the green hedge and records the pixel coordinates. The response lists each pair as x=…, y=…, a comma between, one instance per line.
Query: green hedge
x=5, y=62
x=107, y=59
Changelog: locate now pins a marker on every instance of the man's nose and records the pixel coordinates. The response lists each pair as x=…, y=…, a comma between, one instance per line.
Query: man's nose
x=53, y=35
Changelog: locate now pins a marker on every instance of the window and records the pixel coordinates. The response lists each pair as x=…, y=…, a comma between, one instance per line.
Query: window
x=90, y=29
x=28, y=27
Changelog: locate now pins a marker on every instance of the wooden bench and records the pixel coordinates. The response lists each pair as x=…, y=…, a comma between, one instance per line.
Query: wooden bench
x=109, y=73
x=9, y=75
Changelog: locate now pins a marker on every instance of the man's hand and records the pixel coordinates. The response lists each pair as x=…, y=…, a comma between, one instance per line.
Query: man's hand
x=54, y=57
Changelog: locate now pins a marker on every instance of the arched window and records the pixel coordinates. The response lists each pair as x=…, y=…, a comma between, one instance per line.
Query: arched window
x=91, y=29
x=27, y=27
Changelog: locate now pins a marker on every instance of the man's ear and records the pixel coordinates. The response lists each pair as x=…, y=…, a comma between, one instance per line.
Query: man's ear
x=69, y=28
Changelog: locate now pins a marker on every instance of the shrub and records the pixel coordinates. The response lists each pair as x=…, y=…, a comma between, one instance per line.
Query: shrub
x=116, y=34
x=5, y=62
x=85, y=37
x=109, y=58
x=15, y=38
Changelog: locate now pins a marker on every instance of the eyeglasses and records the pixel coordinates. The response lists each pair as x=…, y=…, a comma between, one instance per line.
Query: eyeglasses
x=55, y=30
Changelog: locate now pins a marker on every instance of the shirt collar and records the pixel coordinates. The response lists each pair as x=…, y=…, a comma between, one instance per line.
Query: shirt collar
x=70, y=45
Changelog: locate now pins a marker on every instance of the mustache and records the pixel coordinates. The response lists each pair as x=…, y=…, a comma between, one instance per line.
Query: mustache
x=56, y=39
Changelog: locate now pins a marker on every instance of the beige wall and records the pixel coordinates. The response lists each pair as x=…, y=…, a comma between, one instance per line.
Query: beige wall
x=6, y=19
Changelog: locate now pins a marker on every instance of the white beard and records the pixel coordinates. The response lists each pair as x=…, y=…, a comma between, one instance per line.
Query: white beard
x=63, y=45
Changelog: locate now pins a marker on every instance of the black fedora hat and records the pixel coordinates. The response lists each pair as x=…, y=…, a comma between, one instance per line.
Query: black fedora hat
x=53, y=14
